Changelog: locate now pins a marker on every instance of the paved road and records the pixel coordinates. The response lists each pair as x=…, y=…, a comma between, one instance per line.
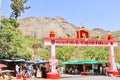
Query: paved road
x=87, y=77
x=81, y=77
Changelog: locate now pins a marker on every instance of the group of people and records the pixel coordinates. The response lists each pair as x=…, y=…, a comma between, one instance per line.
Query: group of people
x=72, y=71
x=31, y=70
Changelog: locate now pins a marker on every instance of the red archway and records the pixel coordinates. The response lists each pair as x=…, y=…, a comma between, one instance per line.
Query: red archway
x=82, y=39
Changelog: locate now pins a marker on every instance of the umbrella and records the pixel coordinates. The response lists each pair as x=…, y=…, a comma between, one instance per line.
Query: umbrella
x=2, y=65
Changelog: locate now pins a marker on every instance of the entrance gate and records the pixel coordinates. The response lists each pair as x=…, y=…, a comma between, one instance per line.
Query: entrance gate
x=82, y=39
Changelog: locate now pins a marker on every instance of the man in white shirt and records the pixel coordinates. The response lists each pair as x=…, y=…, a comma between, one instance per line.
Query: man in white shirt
x=17, y=69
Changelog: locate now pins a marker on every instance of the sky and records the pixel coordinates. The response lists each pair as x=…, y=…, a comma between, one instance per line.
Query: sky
x=104, y=14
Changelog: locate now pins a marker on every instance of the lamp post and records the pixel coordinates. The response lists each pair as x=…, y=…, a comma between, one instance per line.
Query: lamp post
x=0, y=11
x=34, y=47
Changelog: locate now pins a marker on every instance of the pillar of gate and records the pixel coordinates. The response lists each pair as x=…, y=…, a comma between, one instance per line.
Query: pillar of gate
x=53, y=61
x=113, y=69
x=112, y=58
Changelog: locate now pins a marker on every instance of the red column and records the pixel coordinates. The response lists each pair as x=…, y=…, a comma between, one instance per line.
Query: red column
x=112, y=58
x=53, y=62
x=112, y=70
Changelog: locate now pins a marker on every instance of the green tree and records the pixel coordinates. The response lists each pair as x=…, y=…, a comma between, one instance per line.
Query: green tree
x=12, y=43
x=66, y=53
x=40, y=51
x=18, y=7
x=96, y=53
x=6, y=36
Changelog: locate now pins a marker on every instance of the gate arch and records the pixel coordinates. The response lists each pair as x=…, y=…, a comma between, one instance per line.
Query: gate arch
x=82, y=39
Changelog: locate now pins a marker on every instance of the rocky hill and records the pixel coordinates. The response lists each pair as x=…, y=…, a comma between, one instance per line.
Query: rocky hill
x=42, y=26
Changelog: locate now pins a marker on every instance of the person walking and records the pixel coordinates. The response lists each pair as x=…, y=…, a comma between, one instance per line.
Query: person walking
x=38, y=72
x=17, y=69
x=43, y=69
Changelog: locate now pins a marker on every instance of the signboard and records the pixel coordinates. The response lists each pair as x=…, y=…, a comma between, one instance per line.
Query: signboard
x=79, y=42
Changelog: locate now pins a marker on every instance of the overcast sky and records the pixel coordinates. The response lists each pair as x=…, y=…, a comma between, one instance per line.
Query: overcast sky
x=104, y=14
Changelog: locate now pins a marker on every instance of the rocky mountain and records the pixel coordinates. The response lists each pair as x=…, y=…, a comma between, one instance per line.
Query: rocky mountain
x=43, y=25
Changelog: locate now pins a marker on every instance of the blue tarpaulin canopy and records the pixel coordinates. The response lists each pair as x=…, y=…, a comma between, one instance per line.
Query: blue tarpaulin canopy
x=41, y=62
x=19, y=60
x=6, y=60
x=25, y=61
x=30, y=61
